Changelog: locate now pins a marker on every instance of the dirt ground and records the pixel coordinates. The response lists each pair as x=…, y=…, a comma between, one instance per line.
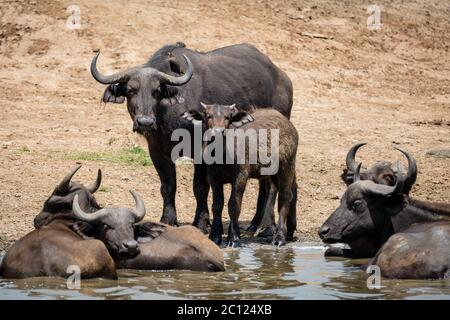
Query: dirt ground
x=388, y=87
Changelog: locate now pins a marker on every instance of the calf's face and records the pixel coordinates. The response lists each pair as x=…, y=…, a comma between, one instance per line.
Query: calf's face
x=115, y=226
x=217, y=118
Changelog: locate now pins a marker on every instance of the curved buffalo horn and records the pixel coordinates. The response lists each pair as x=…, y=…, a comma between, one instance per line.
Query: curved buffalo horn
x=88, y=217
x=114, y=78
x=139, y=213
x=356, y=176
x=64, y=185
x=178, y=81
x=372, y=188
x=350, y=159
x=411, y=175
x=97, y=183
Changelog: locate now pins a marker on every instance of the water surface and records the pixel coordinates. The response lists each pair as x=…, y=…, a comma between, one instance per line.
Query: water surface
x=254, y=271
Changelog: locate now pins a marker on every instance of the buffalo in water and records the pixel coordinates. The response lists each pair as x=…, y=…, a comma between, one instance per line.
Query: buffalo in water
x=57, y=242
x=408, y=238
x=72, y=229
x=176, y=79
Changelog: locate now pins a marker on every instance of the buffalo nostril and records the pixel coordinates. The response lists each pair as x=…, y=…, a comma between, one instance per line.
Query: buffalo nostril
x=145, y=121
x=324, y=231
x=130, y=245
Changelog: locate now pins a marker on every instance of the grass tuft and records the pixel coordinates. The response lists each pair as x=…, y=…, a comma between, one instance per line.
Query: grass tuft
x=135, y=156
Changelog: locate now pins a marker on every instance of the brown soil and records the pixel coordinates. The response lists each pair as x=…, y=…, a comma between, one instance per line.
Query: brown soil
x=387, y=87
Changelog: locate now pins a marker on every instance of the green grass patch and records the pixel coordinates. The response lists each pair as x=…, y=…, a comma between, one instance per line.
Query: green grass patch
x=135, y=156
x=103, y=189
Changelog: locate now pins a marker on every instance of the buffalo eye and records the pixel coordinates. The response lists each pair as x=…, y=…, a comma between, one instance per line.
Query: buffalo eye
x=131, y=91
x=106, y=227
x=132, y=87
x=357, y=204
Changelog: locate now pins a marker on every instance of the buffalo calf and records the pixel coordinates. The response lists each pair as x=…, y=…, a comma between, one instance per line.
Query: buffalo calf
x=234, y=169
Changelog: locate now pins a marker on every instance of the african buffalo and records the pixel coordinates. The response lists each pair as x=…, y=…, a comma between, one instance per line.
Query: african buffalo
x=149, y=246
x=409, y=238
x=58, y=243
x=174, y=80
x=228, y=122
x=382, y=172
x=129, y=243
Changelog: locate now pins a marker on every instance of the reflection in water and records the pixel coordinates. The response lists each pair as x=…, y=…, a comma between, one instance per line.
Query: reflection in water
x=253, y=272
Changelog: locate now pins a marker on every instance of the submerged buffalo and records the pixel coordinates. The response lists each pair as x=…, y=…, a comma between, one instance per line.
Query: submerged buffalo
x=382, y=172
x=149, y=246
x=57, y=244
x=176, y=79
x=72, y=229
x=409, y=238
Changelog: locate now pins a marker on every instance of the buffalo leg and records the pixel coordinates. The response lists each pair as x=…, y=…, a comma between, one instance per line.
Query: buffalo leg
x=201, y=190
x=259, y=207
x=292, y=215
x=234, y=209
x=285, y=183
x=168, y=177
x=217, y=208
x=267, y=223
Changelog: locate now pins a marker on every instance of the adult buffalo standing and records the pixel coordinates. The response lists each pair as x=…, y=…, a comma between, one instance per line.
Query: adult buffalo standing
x=176, y=79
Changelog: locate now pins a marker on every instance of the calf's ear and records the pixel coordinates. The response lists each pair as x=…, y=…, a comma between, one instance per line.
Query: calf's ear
x=148, y=231
x=239, y=118
x=192, y=115
x=114, y=93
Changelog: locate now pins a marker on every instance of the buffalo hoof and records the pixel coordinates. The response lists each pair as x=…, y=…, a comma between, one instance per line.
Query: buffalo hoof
x=203, y=223
x=291, y=238
x=216, y=239
x=264, y=232
x=279, y=240
x=234, y=243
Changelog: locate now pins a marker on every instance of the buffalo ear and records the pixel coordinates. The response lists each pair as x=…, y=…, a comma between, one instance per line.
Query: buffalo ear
x=175, y=66
x=240, y=118
x=114, y=93
x=148, y=231
x=192, y=115
x=347, y=177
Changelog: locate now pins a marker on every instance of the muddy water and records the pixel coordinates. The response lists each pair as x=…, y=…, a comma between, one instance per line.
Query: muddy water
x=253, y=272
